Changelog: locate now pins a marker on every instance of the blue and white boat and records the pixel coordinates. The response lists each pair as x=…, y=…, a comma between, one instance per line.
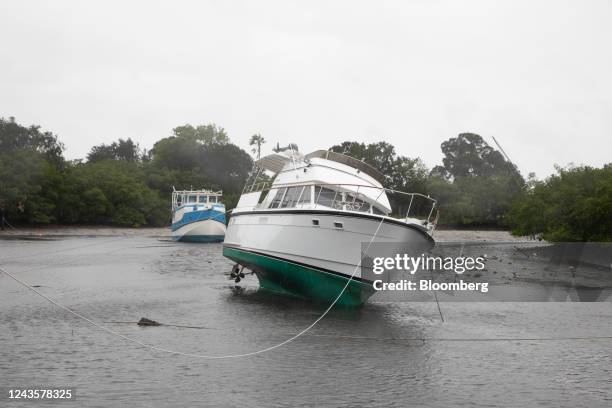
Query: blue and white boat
x=198, y=216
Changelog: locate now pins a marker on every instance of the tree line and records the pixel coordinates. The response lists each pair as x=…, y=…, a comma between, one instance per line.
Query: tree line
x=119, y=183
x=122, y=184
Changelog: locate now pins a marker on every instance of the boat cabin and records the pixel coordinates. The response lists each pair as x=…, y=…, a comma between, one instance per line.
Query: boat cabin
x=182, y=198
x=325, y=180
x=319, y=180
x=312, y=196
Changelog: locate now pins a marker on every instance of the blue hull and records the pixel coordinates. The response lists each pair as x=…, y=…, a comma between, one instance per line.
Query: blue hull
x=200, y=226
x=199, y=215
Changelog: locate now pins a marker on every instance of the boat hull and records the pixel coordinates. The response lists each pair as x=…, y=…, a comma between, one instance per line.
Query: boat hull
x=303, y=281
x=200, y=231
x=307, y=254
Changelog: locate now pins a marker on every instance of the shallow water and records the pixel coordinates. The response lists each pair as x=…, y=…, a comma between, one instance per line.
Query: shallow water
x=369, y=356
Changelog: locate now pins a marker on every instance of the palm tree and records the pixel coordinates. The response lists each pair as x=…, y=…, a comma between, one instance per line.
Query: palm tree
x=256, y=141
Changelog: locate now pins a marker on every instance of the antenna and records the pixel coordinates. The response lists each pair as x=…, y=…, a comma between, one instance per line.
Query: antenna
x=291, y=146
x=509, y=161
x=503, y=152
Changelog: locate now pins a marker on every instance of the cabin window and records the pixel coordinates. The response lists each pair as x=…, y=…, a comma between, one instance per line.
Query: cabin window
x=325, y=196
x=266, y=200
x=375, y=210
x=278, y=198
x=355, y=204
x=291, y=197
x=305, y=197
x=193, y=199
x=202, y=199
x=263, y=196
x=213, y=199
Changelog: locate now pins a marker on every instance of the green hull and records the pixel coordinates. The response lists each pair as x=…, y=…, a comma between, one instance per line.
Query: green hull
x=299, y=280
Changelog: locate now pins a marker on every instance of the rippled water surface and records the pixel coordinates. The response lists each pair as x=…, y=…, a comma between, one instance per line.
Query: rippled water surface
x=364, y=357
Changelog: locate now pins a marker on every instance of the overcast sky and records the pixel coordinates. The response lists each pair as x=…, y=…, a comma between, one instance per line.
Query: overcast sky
x=537, y=75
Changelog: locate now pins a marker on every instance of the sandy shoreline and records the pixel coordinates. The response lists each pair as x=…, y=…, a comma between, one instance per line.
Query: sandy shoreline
x=84, y=231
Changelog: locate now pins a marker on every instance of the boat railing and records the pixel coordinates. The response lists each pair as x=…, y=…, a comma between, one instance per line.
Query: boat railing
x=254, y=187
x=185, y=197
x=349, y=197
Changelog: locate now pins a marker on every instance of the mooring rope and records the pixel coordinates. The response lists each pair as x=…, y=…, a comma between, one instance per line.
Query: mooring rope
x=193, y=355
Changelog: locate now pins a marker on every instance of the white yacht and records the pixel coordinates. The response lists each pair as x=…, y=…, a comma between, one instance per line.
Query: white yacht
x=303, y=234
x=198, y=216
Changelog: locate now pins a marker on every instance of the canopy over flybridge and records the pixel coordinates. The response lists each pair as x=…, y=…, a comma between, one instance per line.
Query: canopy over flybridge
x=275, y=162
x=349, y=161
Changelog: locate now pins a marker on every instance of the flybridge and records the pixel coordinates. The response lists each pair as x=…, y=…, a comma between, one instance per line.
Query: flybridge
x=349, y=161
x=276, y=162
x=324, y=180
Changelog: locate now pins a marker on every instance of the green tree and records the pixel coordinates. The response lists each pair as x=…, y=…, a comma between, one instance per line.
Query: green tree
x=28, y=185
x=126, y=150
x=120, y=184
x=200, y=157
x=468, y=155
x=227, y=166
x=31, y=172
x=256, y=142
x=15, y=137
x=473, y=201
x=181, y=153
x=208, y=135
x=573, y=205
x=475, y=186
x=112, y=192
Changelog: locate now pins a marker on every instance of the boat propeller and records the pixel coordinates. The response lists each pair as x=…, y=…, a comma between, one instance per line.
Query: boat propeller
x=237, y=273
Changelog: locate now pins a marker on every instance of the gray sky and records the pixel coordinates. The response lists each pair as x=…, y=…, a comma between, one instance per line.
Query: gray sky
x=535, y=74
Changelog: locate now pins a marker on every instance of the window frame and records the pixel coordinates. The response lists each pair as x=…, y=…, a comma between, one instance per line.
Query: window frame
x=285, y=203
x=284, y=191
